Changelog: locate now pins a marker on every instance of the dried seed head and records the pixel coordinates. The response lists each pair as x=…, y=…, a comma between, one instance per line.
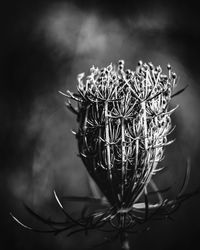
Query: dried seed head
x=123, y=126
x=123, y=121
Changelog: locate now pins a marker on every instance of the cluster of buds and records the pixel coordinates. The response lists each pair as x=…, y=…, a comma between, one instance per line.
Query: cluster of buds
x=123, y=121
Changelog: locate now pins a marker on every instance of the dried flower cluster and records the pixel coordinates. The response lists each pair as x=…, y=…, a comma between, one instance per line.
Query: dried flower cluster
x=123, y=126
x=124, y=120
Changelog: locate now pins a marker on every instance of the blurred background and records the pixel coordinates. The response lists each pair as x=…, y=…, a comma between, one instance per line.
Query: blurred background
x=45, y=44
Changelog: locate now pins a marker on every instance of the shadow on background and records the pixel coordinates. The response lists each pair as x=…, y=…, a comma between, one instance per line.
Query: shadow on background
x=45, y=45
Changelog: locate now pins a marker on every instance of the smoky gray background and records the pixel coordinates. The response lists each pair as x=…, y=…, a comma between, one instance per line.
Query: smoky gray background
x=45, y=44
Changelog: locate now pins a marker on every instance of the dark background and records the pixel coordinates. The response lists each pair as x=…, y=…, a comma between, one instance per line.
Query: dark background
x=45, y=44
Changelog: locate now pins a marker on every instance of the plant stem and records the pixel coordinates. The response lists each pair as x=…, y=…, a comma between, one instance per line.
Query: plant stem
x=123, y=158
x=124, y=241
x=108, y=140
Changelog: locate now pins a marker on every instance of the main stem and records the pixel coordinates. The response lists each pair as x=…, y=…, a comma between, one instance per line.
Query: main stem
x=124, y=241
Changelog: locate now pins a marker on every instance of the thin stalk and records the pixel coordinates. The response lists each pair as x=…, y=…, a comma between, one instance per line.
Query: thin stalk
x=124, y=241
x=135, y=177
x=107, y=140
x=123, y=157
x=145, y=124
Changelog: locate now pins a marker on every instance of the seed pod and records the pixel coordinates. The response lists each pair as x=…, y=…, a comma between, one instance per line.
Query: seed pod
x=123, y=126
x=123, y=122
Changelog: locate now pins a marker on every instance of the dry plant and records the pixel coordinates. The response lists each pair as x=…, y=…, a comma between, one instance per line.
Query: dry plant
x=124, y=122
